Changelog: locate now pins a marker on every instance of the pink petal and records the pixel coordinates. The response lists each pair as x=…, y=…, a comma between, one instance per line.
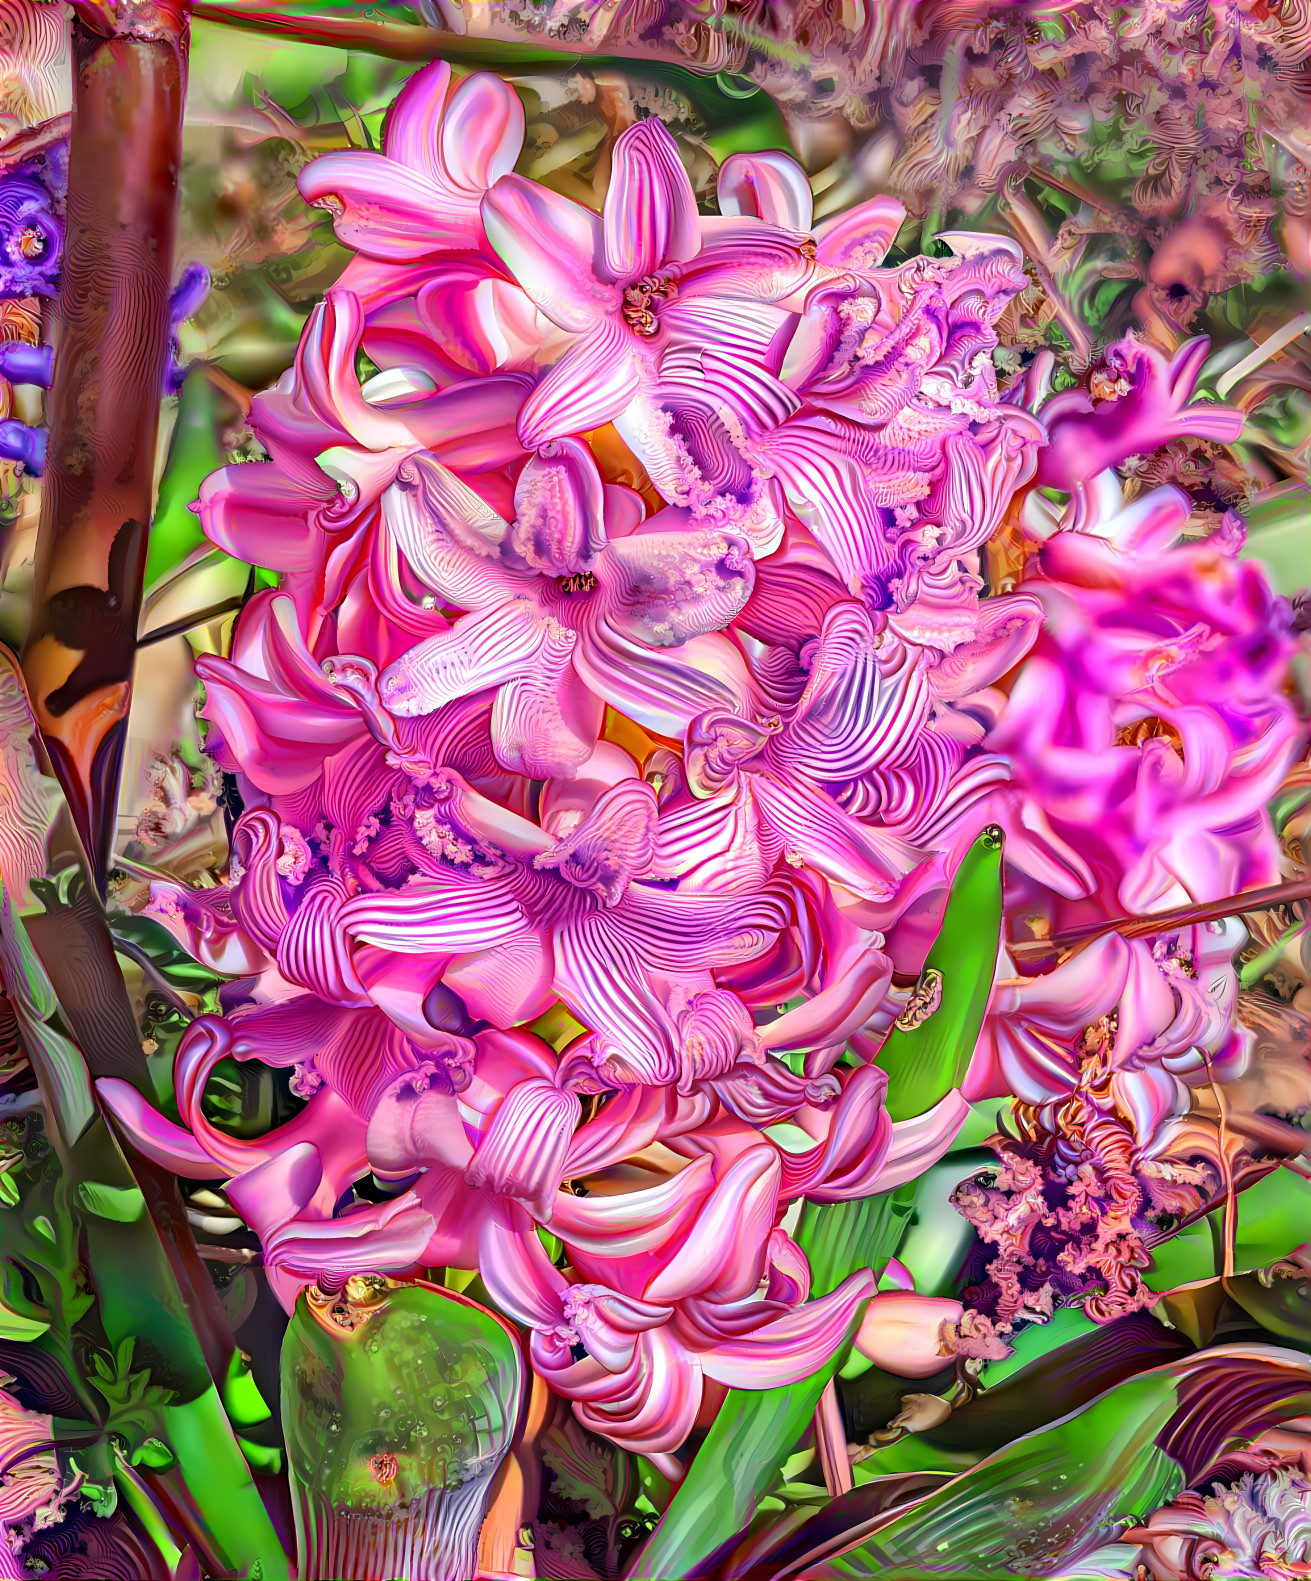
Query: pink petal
x=791, y=1347
x=425, y=917
x=479, y=651
x=523, y=1152
x=922, y=1141
x=600, y=1228
x=659, y=691
x=413, y=126
x=450, y=536
x=384, y=210
x=559, y=506
x=650, y=208
x=902, y=1332
x=720, y=1256
x=481, y=134
x=664, y=587
x=158, y=1138
x=768, y=186
x=417, y=1125
x=470, y=426
x=589, y=387
x=812, y=828
x=545, y=724
x=860, y=238
x=552, y=246
x=260, y=515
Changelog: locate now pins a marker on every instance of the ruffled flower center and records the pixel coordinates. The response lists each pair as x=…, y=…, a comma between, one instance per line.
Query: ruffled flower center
x=640, y=301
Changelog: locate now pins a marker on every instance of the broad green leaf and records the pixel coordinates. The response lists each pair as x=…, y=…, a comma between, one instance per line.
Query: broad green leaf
x=1191, y=1254
x=911, y=1453
x=1273, y=1219
x=398, y=1406
x=1046, y=1500
x=1070, y=1323
x=733, y=1470
x=925, y=1061
x=123, y=1204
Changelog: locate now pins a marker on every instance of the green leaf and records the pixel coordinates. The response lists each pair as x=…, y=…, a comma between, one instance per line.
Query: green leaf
x=911, y=1453
x=733, y=1470
x=193, y=453
x=1273, y=1219
x=1191, y=1254
x=1038, y=1505
x=122, y=1204
x=840, y=1237
x=155, y=1455
x=16, y=1327
x=245, y=1405
x=398, y=1406
x=938, y=1237
x=926, y=1061
x=166, y=954
x=1040, y=1339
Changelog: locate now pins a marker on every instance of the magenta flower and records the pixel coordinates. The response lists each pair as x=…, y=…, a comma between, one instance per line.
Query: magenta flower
x=632, y=687
x=579, y=595
x=1146, y=724
x=645, y=274
x=1144, y=406
x=1165, y=1011
x=443, y=147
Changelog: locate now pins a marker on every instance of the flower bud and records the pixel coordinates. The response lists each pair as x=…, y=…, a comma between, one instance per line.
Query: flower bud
x=904, y=1333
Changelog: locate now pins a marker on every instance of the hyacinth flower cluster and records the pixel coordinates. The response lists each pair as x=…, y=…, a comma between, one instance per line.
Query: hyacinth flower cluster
x=629, y=702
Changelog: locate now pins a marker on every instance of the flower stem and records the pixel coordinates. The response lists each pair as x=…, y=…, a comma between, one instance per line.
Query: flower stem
x=129, y=82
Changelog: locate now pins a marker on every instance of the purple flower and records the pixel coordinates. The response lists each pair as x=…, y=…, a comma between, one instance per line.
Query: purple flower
x=31, y=236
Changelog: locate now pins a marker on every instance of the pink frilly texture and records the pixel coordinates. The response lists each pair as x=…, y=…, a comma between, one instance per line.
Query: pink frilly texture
x=631, y=693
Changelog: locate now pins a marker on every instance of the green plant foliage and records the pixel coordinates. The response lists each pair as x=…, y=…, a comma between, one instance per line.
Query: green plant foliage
x=925, y=1058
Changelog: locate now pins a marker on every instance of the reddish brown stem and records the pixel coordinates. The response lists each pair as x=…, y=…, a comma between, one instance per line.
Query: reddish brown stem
x=112, y=340
x=1160, y=921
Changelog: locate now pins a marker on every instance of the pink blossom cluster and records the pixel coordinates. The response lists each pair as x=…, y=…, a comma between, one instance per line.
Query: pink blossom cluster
x=629, y=696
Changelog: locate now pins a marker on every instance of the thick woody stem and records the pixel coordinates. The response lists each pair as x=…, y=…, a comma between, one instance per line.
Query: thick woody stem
x=110, y=329
x=111, y=334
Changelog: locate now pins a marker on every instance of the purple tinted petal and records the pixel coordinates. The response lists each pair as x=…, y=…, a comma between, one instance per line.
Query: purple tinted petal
x=559, y=505
x=860, y=238
x=664, y=587
x=482, y=133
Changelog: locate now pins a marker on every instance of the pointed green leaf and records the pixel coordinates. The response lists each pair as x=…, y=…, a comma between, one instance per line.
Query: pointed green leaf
x=122, y=1204
x=925, y=1061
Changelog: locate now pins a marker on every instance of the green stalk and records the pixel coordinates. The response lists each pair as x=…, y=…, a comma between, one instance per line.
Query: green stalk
x=733, y=1470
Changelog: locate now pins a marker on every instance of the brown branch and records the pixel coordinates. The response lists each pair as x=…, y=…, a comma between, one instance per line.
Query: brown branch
x=1158, y=922
x=129, y=82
